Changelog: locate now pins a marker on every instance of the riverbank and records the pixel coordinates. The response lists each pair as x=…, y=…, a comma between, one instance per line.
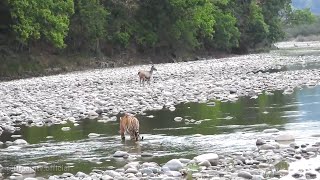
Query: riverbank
x=21, y=65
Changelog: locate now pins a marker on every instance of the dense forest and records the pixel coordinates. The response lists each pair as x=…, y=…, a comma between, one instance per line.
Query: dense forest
x=164, y=28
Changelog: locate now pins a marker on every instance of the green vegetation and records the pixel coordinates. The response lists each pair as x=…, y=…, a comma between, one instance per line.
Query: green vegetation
x=167, y=28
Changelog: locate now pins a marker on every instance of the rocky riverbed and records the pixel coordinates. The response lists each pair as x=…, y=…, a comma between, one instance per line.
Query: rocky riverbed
x=60, y=99
x=276, y=158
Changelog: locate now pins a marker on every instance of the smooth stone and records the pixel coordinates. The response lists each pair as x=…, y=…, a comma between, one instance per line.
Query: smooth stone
x=312, y=149
x=65, y=128
x=205, y=163
x=260, y=142
x=174, y=165
x=283, y=172
x=211, y=157
x=131, y=170
x=245, y=175
x=20, y=142
x=24, y=170
x=297, y=175
x=178, y=119
x=311, y=175
x=106, y=177
x=285, y=137
x=93, y=135
x=81, y=174
x=146, y=171
x=120, y=154
x=273, y=130
x=112, y=173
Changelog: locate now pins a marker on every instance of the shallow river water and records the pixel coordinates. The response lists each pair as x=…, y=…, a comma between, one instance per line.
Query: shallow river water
x=205, y=128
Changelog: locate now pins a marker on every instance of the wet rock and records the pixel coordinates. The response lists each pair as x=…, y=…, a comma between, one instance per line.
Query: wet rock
x=120, y=154
x=205, y=163
x=93, y=135
x=211, y=157
x=245, y=175
x=297, y=175
x=106, y=177
x=260, y=142
x=312, y=149
x=81, y=175
x=285, y=137
x=178, y=119
x=66, y=175
x=174, y=165
x=131, y=170
x=311, y=175
x=112, y=173
x=65, y=128
x=283, y=172
x=23, y=170
x=146, y=171
x=273, y=130
x=20, y=142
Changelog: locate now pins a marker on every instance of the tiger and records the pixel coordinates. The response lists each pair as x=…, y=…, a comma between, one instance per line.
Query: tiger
x=130, y=125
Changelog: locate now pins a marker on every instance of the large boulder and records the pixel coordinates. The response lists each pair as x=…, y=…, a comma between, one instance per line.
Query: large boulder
x=174, y=165
x=211, y=157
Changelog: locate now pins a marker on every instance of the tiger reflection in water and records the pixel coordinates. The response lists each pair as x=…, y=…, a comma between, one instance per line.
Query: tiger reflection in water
x=130, y=125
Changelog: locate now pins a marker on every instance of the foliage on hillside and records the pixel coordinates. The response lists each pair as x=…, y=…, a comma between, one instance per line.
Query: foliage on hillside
x=109, y=27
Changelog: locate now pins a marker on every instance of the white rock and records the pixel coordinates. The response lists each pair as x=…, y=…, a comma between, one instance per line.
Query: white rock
x=106, y=177
x=120, y=154
x=24, y=170
x=20, y=142
x=178, y=119
x=65, y=128
x=93, y=135
x=174, y=165
x=211, y=157
x=285, y=137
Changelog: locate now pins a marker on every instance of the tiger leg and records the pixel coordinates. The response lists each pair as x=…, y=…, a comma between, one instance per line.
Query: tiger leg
x=122, y=129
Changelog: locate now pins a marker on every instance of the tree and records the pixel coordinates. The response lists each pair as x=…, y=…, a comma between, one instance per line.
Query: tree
x=34, y=19
x=226, y=33
x=251, y=24
x=89, y=24
x=299, y=17
x=175, y=24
